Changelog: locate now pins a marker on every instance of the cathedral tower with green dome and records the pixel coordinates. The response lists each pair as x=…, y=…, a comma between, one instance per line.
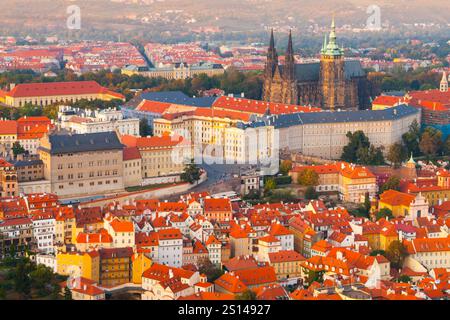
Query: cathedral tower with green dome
x=332, y=76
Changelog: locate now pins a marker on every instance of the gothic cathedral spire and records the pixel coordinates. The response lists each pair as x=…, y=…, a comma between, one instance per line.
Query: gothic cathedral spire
x=272, y=56
x=289, y=60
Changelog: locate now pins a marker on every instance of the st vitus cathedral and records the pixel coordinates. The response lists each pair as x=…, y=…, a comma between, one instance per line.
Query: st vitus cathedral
x=333, y=83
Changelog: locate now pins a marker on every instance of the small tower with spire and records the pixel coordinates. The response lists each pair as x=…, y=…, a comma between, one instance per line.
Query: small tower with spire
x=444, y=83
x=411, y=163
x=332, y=78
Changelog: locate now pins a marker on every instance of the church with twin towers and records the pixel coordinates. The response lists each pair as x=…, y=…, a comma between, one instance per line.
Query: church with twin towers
x=333, y=83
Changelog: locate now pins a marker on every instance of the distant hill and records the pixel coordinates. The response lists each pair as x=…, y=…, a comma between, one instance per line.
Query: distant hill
x=182, y=16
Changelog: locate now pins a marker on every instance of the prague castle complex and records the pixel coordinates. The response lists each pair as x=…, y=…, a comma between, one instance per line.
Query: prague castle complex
x=333, y=83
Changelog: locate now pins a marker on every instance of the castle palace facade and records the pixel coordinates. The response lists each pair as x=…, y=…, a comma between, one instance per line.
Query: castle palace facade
x=333, y=83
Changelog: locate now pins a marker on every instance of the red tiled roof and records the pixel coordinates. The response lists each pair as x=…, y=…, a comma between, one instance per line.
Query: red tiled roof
x=240, y=262
x=8, y=127
x=122, y=226
x=59, y=88
x=161, y=272
x=387, y=100
x=269, y=239
x=151, y=142
x=257, y=276
x=231, y=283
x=258, y=106
x=285, y=256
x=100, y=237
x=131, y=153
x=217, y=205
x=395, y=198
x=153, y=106
x=169, y=234
x=427, y=245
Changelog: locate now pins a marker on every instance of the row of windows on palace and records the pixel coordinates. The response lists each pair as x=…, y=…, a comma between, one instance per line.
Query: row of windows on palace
x=51, y=101
x=90, y=184
x=100, y=163
x=91, y=174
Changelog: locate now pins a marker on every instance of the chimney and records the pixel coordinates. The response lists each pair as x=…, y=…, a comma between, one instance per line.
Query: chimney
x=170, y=274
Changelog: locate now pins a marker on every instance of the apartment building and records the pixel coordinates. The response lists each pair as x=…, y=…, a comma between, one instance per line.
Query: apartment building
x=350, y=181
x=44, y=226
x=132, y=167
x=161, y=156
x=87, y=121
x=431, y=253
x=8, y=179
x=83, y=164
x=170, y=247
x=16, y=234
x=115, y=266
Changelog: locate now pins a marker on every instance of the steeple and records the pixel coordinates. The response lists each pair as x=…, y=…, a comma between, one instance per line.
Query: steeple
x=444, y=83
x=333, y=31
x=289, y=60
x=324, y=44
x=290, y=50
x=272, y=57
x=411, y=163
x=272, y=52
x=272, y=41
x=332, y=48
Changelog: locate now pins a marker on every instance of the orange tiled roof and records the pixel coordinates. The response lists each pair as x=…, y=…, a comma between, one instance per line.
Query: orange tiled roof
x=285, y=256
x=259, y=107
x=240, y=262
x=427, y=245
x=222, y=204
x=231, y=283
x=122, y=226
x=59, y=88
x=269, y=239
x=395, y=198
x=8, y=127
x=277, y=229
x=257, y=276
x=169, y=234
x=212, y=240
x=387, y=100
x=102, y=236
x=161, y=272
x=151, y=142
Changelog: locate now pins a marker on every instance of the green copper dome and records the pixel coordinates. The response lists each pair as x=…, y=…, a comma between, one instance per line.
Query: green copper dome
x=331, y=48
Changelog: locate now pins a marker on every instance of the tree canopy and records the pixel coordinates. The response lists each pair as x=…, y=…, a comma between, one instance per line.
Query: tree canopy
x=396, y=254
x=397, y=154
x=393, y=183
x=308, y=177
x=191, y=173
x=431, y=143
x=359, y=150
